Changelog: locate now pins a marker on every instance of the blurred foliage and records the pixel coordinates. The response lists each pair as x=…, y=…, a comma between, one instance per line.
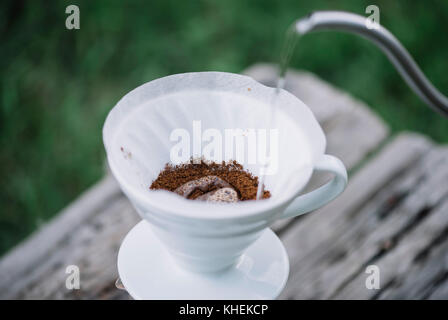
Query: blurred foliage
x=57, y=85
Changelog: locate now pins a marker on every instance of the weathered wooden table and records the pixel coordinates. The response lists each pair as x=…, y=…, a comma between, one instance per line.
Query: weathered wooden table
x=393, y=214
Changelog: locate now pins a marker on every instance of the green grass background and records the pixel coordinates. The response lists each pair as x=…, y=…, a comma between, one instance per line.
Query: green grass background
x=57, y=85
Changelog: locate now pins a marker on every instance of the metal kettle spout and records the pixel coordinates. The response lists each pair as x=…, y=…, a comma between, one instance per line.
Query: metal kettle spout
x=397, y=54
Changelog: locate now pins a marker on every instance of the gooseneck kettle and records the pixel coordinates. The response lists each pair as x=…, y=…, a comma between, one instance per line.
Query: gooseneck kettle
x=381, y=37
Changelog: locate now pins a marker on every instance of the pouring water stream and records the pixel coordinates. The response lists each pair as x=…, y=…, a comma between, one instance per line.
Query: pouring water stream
x=289, y=45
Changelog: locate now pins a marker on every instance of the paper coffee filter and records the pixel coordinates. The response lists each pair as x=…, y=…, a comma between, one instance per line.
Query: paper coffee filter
x=142, y=129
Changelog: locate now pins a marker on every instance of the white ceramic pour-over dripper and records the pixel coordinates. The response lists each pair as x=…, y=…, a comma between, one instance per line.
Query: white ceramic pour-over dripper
x=204, y=236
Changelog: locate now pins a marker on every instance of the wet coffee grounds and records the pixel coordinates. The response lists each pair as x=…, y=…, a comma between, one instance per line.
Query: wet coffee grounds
x=226, y=174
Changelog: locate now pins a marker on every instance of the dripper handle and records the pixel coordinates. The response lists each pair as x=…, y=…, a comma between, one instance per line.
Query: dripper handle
x=322, y=195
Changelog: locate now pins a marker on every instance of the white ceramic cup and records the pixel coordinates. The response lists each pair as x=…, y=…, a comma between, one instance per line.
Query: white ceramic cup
x=204, y=236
